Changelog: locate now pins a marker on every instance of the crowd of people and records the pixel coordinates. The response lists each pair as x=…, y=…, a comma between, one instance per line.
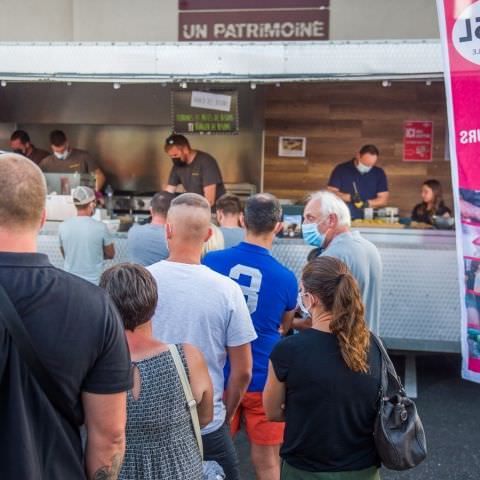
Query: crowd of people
x=291, y=362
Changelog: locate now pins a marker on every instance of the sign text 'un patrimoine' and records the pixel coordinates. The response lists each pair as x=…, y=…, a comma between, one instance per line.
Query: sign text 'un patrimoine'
x=273, y=20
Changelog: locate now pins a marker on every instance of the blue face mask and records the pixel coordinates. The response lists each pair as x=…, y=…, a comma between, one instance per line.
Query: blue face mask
x=311, y=235
x=363, y=168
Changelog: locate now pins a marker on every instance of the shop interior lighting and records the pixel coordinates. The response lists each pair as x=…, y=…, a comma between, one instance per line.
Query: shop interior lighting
x=253, y=86
x=183, y=85
x=428, y=83
x=3, y=83
x=277, y=84
x=69, y=84
x=116, y=86
x=386, y=83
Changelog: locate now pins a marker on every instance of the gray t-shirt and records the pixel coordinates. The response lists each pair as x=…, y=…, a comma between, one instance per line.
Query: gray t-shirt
x=82, y=240
x=363, y=260
x=199, y=306
x=232, y=236
x=79, y=161
x=146, y=244
x=203, y=171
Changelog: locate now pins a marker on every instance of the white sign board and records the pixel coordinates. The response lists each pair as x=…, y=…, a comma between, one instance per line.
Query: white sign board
x=211, y=101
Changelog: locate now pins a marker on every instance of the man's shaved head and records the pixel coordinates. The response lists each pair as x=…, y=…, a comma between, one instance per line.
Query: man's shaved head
x=22, y=193
x=189, y=218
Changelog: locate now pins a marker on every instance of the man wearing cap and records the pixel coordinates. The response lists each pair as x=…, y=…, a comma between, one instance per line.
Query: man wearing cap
x=84, y=242
x=197, y=171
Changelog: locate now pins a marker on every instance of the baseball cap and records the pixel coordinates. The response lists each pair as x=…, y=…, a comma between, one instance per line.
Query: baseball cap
x=83, y=195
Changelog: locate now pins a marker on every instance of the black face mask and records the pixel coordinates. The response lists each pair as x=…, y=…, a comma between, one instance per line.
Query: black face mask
x=177, y=161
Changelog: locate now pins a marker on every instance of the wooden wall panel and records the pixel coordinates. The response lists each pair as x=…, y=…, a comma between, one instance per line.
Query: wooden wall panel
x=338, y=118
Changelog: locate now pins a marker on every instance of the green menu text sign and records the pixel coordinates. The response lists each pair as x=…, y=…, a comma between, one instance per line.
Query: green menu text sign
x=205, y=112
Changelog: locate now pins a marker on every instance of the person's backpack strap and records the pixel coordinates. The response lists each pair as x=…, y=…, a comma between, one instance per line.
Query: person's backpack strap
x=14, y=326
x=191, y=402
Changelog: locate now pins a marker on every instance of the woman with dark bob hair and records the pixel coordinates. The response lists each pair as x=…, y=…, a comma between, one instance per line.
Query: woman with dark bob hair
x=325, y=381
x=161, y=441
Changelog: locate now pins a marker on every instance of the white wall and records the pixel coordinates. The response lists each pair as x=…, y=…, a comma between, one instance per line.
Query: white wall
x=379, y=19
x=126, y=20
x=157, y=20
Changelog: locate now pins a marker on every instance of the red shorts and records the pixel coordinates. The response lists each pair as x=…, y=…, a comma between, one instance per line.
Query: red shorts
x=259, y=430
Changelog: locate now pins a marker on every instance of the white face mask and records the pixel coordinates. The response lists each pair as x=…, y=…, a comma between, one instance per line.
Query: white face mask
x=300, y=303
x=363, y=168
x=61, y=156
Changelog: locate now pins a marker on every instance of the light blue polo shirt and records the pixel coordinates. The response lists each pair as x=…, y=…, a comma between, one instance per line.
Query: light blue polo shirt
x=363, y=260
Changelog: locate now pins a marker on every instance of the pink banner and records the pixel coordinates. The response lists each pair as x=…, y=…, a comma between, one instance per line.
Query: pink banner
x=460, y=31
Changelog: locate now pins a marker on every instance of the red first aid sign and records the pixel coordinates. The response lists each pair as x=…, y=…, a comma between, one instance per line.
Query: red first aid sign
x=417, y=141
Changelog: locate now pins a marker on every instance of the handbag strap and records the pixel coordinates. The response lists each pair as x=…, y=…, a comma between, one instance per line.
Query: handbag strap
x=387, y=368
x=14, y=325
x=191, y=402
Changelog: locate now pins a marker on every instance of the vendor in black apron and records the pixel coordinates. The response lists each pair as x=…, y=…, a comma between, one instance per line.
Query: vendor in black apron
x=197, y=171
x=359, y=183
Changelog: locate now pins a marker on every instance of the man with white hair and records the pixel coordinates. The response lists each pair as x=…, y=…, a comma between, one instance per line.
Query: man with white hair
x=326, y=226
x=208, y=310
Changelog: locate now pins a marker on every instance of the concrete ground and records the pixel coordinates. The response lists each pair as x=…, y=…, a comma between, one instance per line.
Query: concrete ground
x=450, y=410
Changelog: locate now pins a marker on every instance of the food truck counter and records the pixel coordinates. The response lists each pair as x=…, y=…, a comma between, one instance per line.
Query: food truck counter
x=420, y=306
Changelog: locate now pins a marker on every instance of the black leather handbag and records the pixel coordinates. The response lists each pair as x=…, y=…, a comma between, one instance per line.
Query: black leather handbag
x=398, y=432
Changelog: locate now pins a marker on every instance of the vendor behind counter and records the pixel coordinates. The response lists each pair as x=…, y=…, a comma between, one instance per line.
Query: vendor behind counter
x=65, y=159
x=360, y=183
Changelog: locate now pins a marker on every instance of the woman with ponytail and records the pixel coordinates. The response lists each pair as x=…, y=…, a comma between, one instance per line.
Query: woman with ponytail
x=324, y=382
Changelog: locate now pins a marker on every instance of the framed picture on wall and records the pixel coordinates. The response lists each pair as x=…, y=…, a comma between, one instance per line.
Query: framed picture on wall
x=292, y=146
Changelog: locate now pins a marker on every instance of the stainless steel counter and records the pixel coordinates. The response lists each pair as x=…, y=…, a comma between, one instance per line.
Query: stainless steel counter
x=420, y=301
x=420, y=306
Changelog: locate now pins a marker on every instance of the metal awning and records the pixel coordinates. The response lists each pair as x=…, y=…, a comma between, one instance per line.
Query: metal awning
x=221, y=62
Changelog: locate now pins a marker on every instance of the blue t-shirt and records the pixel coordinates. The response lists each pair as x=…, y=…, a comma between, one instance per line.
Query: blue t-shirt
x=146, y=244
x=270, y=290
x=368, y=184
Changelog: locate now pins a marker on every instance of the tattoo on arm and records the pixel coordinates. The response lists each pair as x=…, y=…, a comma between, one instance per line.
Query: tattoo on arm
x=109, y=473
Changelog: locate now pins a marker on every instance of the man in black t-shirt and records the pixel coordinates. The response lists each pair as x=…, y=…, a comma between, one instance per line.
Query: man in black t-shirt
x=77, y=335
x=197, y=171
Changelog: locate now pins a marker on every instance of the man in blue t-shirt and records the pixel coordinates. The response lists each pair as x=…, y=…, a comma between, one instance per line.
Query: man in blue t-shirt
x=270, y=290
x=359, y=183
x=146, y=243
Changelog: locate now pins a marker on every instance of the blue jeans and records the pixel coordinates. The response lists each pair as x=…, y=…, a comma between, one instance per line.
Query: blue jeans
x=218, y=446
